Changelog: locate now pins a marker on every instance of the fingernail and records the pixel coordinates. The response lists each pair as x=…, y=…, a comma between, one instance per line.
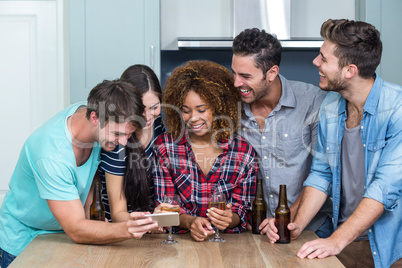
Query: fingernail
x=208, y=214
x=205, y=234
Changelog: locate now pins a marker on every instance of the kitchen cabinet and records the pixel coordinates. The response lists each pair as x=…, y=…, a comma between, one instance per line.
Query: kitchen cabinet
x=108, y=36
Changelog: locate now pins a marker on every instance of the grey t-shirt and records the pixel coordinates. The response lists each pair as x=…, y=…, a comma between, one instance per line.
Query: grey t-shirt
x=352, y=175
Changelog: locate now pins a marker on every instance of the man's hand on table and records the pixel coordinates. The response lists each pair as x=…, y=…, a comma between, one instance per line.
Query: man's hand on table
x=138, y=225
x=319, y=248
x=268, y=227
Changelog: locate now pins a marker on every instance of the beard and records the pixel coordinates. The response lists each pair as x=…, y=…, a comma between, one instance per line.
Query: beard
x=258, y=92
x=336, y=84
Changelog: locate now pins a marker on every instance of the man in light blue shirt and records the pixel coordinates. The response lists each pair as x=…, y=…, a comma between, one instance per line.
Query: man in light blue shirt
x=53, y=175
x=359, y=102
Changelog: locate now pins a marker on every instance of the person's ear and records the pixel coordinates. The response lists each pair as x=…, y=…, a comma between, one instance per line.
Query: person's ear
x=94, y=119
x=350, y=71
x=272, y=73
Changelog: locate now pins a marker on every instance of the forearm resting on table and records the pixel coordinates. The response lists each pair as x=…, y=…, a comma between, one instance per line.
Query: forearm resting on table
x=311, y=201
x=71, y=217
x=365, y=215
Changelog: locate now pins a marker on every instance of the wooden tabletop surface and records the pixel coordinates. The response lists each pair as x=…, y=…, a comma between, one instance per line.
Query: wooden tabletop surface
x=239, y=250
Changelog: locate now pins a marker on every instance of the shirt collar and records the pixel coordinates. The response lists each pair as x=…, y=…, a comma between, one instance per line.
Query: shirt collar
x=372, y=100
x=288, y=96
x=371, y=103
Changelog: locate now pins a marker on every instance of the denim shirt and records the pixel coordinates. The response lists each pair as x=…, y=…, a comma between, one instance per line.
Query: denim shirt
x=381, y=131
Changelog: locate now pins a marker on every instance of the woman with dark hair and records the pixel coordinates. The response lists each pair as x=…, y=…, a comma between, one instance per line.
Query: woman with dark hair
x=125, y=172
x=201, y=152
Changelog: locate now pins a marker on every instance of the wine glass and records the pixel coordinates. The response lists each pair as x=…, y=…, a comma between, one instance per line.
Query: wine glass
x=217, y=200
x=174, y=201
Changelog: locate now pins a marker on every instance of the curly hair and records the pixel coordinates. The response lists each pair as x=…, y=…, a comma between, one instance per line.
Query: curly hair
x=215, y=85
x=357, y=42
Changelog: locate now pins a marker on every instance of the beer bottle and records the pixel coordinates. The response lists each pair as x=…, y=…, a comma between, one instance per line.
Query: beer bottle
x=282, y=216
x=259, y=208
x=97, y=209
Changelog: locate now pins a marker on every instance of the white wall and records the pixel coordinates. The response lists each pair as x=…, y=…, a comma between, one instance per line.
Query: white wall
x=32, y=74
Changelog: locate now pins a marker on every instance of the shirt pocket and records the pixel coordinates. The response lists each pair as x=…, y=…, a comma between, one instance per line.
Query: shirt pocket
x=292, y=144
x=374, y=150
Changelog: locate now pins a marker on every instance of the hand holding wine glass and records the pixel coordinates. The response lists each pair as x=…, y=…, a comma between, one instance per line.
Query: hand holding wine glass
x=217, y=200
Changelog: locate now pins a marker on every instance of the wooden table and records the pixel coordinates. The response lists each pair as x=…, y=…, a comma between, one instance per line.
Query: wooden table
x=239, y=250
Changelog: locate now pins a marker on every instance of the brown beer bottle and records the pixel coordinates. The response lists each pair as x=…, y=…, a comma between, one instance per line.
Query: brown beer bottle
x=282, y=216
x=259, y=208
x=97, y=209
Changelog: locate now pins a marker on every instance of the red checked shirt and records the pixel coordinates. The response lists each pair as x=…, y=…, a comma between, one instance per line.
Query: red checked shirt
x=175, y=170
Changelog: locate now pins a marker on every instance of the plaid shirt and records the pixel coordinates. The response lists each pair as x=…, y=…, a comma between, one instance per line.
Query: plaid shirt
x=233, y=173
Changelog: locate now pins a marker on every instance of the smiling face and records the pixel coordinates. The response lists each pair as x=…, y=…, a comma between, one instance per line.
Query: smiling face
x=249, y=79
x=331, y=78
x=114, y=133
x=152, y=107
x=196, y=114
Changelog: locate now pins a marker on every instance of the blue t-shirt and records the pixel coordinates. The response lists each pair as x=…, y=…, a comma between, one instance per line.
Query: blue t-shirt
x=46, y=169
x=114, y=162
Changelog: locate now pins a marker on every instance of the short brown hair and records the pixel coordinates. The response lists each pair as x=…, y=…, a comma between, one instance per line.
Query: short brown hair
x=357, y=42
x=117, y=101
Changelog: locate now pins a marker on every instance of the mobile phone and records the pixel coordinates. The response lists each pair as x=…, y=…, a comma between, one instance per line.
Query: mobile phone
x=165, y=219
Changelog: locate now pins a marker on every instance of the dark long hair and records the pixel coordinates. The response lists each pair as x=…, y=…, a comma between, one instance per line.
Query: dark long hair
x=136, y=179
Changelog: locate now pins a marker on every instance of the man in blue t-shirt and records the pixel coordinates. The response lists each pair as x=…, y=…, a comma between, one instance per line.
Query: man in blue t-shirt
x=53, y=175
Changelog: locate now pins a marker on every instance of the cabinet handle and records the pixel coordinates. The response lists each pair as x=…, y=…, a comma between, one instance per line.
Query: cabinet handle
x=152, y=57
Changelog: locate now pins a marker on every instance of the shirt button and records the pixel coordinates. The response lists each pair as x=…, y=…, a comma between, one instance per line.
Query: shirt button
x=244, y=129
x=256, y=123
x=327, y=148
x=370, y=230
x=364, y=145
x=374, y=253
x=263, y=137
x=361, y=127
x=286, y=135
x=265, y=157
x=271, y=196
x=375, y=147
x=267, y=177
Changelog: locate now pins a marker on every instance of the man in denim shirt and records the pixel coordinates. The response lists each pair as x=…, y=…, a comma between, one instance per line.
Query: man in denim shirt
x=369, y=163
x=279, y=120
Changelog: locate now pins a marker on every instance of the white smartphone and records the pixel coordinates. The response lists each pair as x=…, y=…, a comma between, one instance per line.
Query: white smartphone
x=165, y=219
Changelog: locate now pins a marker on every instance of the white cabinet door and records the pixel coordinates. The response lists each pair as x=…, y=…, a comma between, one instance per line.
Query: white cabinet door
x=31, y=74
x=107, y=36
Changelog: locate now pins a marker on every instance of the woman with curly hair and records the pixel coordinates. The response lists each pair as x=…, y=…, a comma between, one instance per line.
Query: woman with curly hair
x=201, y=152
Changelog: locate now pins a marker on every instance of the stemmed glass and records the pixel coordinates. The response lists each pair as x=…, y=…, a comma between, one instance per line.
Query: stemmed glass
x=174, y=201
x=217, y=200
